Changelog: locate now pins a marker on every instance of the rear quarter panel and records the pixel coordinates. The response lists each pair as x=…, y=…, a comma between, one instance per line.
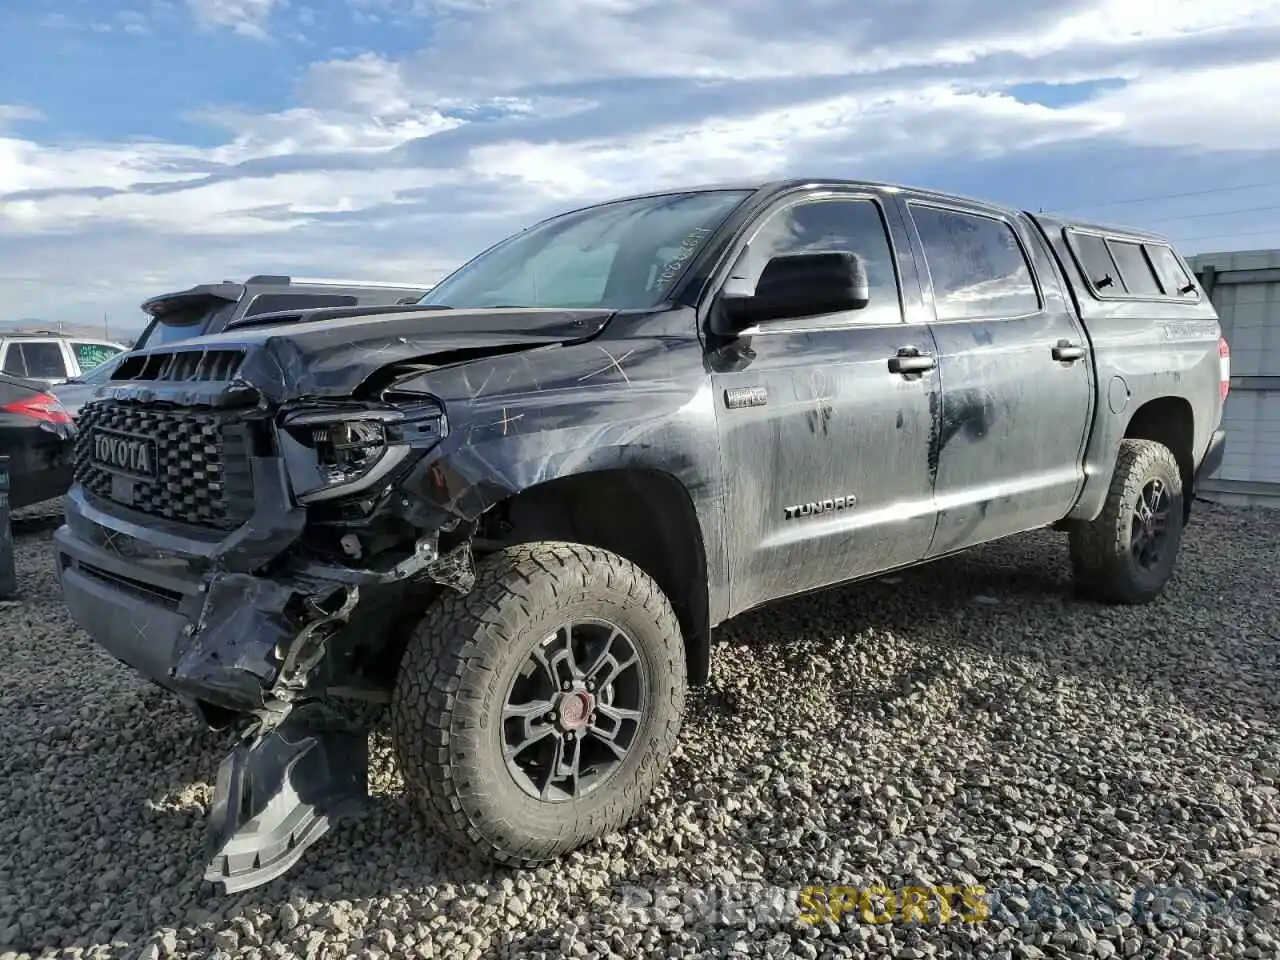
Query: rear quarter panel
x=1142, y=350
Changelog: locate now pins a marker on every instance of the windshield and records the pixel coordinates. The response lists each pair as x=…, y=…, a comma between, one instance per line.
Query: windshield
x=621, y=255
x=186, y=316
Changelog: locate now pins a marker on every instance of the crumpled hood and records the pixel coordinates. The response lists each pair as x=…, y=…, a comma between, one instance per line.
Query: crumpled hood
x=333, y=357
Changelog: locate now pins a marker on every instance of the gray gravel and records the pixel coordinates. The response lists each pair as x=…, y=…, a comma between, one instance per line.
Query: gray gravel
x=1109, y=775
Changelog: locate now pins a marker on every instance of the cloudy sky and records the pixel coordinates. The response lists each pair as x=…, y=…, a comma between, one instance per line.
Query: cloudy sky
x=153, y=144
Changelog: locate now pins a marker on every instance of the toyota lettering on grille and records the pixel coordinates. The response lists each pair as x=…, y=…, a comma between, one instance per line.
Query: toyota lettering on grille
x=135, y=456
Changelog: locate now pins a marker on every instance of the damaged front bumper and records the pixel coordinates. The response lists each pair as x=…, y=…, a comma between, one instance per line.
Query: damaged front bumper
x=244, y=651
x=276, y=797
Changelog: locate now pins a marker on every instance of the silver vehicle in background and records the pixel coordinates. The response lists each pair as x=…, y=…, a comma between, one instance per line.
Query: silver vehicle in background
x=50, y=357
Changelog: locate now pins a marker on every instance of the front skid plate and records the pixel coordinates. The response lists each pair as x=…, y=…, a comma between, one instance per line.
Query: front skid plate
x=275, y=799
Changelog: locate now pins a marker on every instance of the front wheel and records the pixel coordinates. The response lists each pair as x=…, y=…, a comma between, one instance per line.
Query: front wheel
x=537, y=712
x=1126, y=554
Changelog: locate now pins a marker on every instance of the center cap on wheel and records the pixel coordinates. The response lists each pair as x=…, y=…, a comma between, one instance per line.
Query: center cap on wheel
x=575, y=708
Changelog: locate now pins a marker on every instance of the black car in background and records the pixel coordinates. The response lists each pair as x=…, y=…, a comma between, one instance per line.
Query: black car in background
x=38, y=436
x=209, y=308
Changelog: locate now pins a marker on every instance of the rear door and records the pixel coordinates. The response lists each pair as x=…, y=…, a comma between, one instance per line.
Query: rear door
x=825, y=447
x=1016, y=375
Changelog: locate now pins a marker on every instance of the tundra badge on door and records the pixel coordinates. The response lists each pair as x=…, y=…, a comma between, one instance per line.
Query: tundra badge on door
x=847, y=502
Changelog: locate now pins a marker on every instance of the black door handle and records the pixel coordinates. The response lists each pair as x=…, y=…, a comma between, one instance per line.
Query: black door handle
x=1067, y=352
x=910, y=360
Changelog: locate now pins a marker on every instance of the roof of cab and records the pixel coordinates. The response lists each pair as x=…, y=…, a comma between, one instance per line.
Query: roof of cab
x=764, y=188
x=769, y=187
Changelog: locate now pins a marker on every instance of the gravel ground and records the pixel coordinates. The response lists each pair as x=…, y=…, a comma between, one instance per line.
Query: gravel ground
x=1109, y=776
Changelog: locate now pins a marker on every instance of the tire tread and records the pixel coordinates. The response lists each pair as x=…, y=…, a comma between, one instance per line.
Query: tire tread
x=1099, y=548
x=461, y=638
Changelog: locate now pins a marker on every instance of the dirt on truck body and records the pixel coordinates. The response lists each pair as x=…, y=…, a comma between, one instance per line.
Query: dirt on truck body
x=515, y=510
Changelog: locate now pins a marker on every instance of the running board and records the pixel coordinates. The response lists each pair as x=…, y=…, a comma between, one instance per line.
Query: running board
x=275, y=799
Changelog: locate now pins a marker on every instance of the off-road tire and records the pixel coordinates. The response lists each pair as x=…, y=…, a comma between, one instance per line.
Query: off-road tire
x=447, y=704
x=1102, y=563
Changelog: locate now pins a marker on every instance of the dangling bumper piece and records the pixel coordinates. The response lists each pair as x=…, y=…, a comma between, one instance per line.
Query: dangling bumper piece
x=277, y=796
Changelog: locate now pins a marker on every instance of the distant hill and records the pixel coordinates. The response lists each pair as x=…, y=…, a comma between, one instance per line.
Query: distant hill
x=121, y=333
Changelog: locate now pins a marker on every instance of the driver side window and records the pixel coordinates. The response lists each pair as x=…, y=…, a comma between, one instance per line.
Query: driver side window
x=828, y=226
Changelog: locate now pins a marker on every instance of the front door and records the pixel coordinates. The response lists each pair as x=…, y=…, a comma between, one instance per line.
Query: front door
x=1017, y=381
x=826, y=449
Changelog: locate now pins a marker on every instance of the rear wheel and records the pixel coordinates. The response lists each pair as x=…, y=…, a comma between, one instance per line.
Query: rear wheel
x=1127, y=554
x=538, y=711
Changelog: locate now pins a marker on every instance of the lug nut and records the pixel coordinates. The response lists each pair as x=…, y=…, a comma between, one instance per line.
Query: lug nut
x=566, y=686
x=591, y=684
x=551, y=717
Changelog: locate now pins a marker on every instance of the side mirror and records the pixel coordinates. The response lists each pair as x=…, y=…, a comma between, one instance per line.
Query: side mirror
x=798, y=285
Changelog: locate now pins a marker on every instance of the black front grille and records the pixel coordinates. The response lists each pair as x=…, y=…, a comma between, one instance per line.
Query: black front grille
x=196, y=469
x=181, y=365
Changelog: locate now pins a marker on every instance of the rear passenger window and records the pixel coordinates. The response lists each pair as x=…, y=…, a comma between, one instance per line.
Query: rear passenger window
x=977, y=266
x=42, y=358
x=13, y=364
x=1172, y=276
x=1135, y=270
x=1096, y=263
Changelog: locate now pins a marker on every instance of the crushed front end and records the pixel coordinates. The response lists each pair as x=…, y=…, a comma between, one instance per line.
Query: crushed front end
x=249, y=552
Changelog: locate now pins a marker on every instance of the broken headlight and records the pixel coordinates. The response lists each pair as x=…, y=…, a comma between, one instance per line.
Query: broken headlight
x=353, y=450
x=349, y=449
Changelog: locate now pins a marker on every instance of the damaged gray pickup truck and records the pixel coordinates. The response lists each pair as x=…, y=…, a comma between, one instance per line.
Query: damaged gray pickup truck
x=512, y=513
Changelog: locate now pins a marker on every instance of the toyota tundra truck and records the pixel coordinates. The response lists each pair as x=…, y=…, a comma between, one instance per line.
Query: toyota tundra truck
x=506, y=518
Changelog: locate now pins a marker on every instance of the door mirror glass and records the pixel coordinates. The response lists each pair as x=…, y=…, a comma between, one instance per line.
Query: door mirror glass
x=798, y=285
